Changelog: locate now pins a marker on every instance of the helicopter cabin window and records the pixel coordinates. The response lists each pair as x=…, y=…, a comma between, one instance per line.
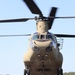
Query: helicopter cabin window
x=51, y=36
x=45, y=37
x=42, y=37
x=35, y=37
x=48, y=36
x=54, y=38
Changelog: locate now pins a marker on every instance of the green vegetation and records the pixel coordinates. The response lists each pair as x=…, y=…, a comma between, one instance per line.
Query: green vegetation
x=69, y=73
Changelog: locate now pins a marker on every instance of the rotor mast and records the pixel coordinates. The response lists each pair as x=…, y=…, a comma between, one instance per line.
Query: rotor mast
x=42, y=26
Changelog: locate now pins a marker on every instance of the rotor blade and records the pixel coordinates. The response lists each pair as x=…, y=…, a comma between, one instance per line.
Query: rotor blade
x=52, y=14
x=15, y=20
x=33, y=7
x=67, y=17
x=65, y=35
x=15, y=35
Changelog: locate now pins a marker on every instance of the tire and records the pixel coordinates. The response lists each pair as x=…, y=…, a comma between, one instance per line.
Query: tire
x=59, y=71
x=25, y=72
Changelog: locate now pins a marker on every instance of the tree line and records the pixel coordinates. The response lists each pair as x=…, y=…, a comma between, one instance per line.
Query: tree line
x=69, y=73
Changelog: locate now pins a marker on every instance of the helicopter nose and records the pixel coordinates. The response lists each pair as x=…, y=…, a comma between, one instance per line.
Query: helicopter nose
x=43, y=44
x=47, y=45
x=50, y=46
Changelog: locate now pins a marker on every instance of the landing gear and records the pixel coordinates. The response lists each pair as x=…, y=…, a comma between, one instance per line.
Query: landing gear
x=26, y=72
x=60, y=71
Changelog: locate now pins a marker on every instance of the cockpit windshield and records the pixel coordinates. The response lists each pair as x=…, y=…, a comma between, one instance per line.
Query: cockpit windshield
x=40, y=37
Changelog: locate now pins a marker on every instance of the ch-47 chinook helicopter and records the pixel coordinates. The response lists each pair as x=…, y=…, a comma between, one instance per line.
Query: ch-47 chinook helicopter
x=43, y=56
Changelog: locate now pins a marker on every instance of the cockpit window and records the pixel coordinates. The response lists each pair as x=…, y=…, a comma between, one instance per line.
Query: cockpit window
x=42, y=37
x=51, y=36
x=35, y=37
x=48, y=36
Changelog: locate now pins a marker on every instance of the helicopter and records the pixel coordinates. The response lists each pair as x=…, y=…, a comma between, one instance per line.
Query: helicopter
x=43, y=55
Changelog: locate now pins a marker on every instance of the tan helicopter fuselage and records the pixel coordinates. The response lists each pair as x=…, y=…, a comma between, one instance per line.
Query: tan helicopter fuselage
x=43, y=55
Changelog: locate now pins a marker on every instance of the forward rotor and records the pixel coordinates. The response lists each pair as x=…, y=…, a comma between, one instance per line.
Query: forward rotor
x=35, y=10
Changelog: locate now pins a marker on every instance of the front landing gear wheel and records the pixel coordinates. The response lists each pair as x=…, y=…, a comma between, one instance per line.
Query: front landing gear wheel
x=60, y=72
x=26, y=72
